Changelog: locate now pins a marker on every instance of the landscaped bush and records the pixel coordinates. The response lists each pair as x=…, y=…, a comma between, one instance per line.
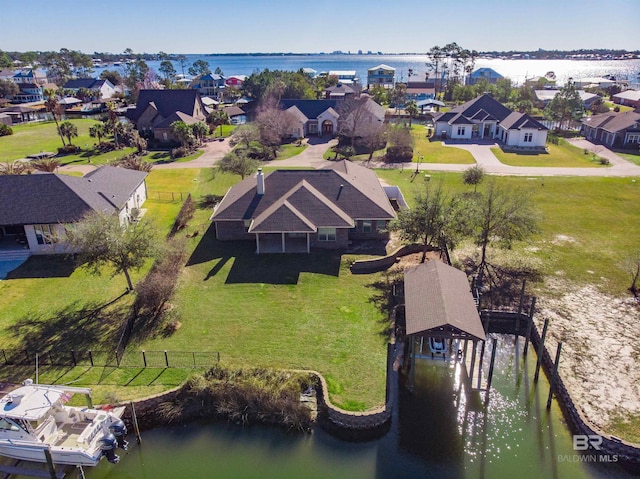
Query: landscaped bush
x=399, y=154
x=69, y=149
x=5, y=130
x=245, y=395
x=179, y=152
x=105, y=146
x=209, y=201
x=553, y=138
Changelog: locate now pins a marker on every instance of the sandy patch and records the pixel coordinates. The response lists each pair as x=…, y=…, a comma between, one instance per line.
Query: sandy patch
x=562, y=239
x=600, y=351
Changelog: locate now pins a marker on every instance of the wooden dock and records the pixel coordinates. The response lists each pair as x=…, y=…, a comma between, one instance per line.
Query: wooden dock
x=33, y=469
x=472, y=370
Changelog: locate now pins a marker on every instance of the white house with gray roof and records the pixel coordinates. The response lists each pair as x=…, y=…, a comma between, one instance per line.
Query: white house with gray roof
x=35, y=209
x=486, y=118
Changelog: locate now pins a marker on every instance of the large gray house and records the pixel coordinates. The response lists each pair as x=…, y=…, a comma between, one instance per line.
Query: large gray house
x=292, y=211
x=34, y=209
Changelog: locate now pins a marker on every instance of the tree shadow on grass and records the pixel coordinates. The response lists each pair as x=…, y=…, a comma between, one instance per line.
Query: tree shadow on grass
x=44, y=266
x=74, y=327
x=386, y=295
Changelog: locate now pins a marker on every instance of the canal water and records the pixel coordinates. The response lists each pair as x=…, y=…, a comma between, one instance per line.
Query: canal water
x=437, y=432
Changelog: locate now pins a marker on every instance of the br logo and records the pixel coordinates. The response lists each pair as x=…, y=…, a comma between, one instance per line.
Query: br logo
x=582, y=442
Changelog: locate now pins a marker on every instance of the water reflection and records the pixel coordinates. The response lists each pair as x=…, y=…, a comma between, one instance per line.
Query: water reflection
x=437, y=432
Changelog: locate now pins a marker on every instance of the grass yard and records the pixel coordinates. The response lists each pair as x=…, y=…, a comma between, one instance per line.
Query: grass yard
x=36, y=137
x=588, y=225
x=289, y=150
x=562, y=155
x=431, y=151
x=633, y=158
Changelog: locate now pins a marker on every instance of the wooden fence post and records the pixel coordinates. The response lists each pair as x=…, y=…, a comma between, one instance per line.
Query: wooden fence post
x=554, y=376
x=541, y=349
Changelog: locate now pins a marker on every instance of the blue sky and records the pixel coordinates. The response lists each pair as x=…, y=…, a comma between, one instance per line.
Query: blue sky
x=230, y=26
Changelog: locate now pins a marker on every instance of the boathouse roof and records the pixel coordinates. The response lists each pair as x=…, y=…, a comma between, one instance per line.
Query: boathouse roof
x=439, y=302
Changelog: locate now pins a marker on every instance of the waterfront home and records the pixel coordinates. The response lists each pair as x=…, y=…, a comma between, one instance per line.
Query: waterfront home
x=486, y=118
x=339, y=92
x=156, y=110
x=292, y=211
x=99, y=88
x=613, y=129
x=34, y=209
x=488, y=74
x=210, y=84
x=235, y=81
x=237, y=115
x=325, y=117
x=420, y=90
x=627, y=98
x=346, y=77
x=382, y=75
x=543, y=97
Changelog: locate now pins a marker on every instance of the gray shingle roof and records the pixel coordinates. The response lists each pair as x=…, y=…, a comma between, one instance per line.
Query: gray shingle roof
x=167, y=102
x=518, y=121
x=331, y=197
x=438, y=299
x=464, y=113
x=613, y=122
x=50, y=198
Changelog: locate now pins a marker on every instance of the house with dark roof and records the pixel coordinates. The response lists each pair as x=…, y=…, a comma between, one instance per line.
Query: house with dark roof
x=544, y=97
x=324, y=117
x=339, y=92
x=100, y=88
x=292, y=211
x=486, y=118
x=614, y=129
x=420, y=90
x=35, y=209
x=156, y=110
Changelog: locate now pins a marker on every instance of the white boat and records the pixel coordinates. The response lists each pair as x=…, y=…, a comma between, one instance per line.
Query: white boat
x=34, y=418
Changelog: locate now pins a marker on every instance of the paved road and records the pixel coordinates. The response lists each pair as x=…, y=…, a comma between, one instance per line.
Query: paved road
x=312, y=157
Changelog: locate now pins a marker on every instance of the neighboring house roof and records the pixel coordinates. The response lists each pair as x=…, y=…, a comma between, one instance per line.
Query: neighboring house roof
x=303, y=200
x=438, y=299
x=485, y=73
x=613, y=122
x=382, y=66
x=340, y=90
x=88, y=83
x=51, y=198
x=233, y=111
x=518, y=121
x=309, y=108
x=487, y=108
x=166, y=102
x=633, y=95
x=177, y=116
x=548, y=95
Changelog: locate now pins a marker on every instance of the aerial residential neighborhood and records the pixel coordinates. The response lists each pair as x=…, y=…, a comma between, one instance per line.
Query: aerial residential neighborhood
x=380, y=253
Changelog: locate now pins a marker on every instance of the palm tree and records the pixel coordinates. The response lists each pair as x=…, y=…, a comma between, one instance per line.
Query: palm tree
x=411, y=108
x=218, y=118
x=97, y=131
x=183, y=133
x=68, y=130
x=199, y=130
x=53, y=107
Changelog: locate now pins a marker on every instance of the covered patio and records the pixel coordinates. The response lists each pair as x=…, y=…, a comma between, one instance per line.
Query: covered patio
x=282, y=243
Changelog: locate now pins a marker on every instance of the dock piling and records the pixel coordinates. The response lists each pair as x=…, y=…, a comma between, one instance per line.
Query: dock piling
x=541, y=350
x=554, y=376
x=134, y=419
x=473, y=362
x=493, y=360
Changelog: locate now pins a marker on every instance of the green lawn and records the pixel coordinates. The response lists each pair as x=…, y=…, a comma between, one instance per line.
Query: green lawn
x=424, y=151
x=289, y=150
x=598, y=218
x=634, y=158
x=37, y=137
x=563, y=154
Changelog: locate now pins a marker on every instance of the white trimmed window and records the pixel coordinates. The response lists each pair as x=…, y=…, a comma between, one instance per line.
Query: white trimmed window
x=366, y=226
x=528, y=137
x=461, y=131
x=326, y=234
x=44, y=234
